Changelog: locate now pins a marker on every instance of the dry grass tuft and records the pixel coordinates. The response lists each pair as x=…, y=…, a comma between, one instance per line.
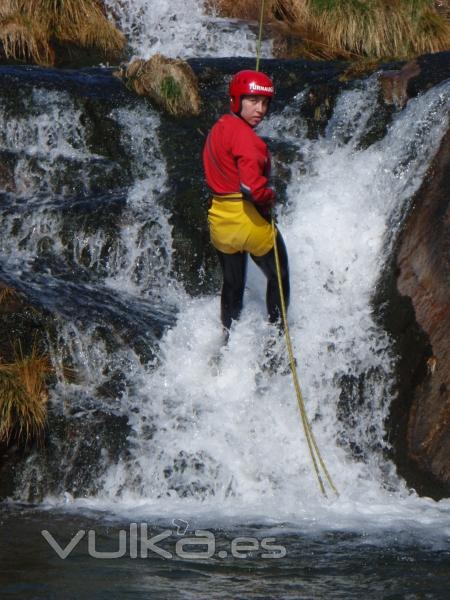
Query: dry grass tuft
x=382, y=28
x=365, y=28
x=8, y=294
x=27, y=28
x=23, y=397
x=22, y=39
x=170, y=83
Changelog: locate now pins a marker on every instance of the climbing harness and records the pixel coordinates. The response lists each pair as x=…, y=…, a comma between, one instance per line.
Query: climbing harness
x=316, y=457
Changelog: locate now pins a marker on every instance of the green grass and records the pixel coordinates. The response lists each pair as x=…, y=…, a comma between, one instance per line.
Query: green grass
x=171, y=92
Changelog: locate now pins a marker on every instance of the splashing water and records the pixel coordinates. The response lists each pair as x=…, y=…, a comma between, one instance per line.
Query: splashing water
x=226, y=440
x=182, y=28
x=229, y=441
x=79, y=254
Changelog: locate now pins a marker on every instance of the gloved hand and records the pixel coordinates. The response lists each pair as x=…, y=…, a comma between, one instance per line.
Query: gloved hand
x=266, y=209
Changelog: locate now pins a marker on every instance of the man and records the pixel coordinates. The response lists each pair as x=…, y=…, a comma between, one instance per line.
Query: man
x=237, y=167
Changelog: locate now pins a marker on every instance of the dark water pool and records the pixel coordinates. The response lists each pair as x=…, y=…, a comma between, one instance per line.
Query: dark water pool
x=245, y=562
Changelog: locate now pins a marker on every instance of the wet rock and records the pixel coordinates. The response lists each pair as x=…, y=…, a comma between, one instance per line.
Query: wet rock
x=394, y=84
x=434, y=69
x=72, y=459
x=7, y=183
x=413, y=302
x=81, y=440
x=424, y=275
x=11, y=457
x=318, y=109
x=22, y=328
x=21, y=324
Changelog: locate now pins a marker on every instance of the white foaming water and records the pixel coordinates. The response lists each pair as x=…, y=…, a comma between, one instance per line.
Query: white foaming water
x=53, y=162
x=227, y=443
x=49, y=133
x=145, y=258
x=140, y=262
x=53, y=166
x=43, y=139
x=182, y=28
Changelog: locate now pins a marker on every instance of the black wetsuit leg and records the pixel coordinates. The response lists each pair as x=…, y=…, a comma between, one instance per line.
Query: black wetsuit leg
x=234, y=269
x=268, y=266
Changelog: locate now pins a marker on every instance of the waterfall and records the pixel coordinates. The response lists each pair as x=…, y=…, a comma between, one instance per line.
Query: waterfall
x=232, y=441
x=183, y=28
x=86, y=237
x=85, y=231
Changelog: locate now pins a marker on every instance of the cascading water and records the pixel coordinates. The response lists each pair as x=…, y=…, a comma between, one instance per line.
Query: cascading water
x=182, y=28
x=99, y=262
x=231, y=443
x=204, y=440
x=143, y=425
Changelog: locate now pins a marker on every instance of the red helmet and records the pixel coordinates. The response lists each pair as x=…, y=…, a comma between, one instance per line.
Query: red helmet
x=249, y=83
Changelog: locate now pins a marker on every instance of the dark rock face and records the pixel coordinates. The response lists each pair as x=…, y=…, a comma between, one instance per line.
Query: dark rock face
x=19, y=322
x=72, y=458
x=423, y=261
x=22, y=326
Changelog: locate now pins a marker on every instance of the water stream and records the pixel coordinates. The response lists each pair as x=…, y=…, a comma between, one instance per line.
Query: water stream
x=84, y=230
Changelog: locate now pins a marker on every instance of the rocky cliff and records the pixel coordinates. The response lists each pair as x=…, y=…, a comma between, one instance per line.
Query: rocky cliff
x=423, y=261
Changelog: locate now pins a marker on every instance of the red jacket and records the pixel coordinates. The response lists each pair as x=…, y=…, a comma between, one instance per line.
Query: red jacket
x=237, y=160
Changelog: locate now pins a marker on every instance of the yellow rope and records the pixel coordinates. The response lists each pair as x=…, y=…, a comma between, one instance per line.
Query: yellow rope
x=258, y=44
x=312, y=444
x=311, y=440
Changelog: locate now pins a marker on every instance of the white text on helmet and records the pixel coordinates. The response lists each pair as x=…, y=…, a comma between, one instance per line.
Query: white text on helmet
x=260, y=88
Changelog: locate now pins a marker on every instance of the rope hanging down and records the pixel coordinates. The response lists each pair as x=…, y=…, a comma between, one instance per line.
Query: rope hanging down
x=316, y=457
x=314, y=451
x=258, y=43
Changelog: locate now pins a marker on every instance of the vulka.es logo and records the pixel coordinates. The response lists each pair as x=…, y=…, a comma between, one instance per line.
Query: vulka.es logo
x=135, y=543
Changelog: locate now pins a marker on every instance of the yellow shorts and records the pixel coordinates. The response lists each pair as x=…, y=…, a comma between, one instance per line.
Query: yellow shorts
x=236, y=226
